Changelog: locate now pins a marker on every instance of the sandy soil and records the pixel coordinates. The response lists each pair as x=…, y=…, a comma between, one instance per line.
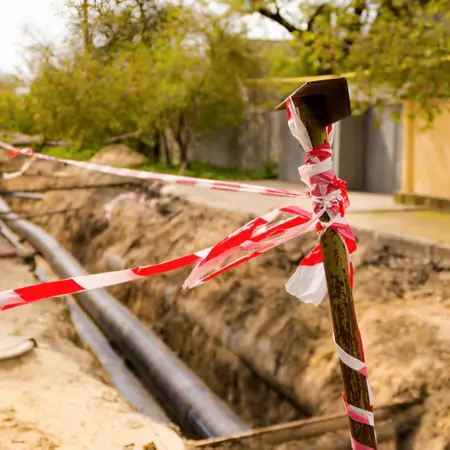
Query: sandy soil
x=270, y=356
x=55, y=396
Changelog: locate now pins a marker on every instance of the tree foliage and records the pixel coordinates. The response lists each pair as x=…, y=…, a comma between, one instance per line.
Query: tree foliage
x=14, y=105
x=398, y=48
x=171, y=72
x=105, y=26
x=165, y=71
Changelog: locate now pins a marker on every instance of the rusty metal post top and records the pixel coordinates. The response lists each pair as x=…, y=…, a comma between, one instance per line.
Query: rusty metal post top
x=330, y=98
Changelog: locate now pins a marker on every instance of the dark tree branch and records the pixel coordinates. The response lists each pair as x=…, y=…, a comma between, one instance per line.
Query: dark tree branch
x=278, y=18
x=316, y=14
x=143, y=18
x=359, y=6
x=398, y=9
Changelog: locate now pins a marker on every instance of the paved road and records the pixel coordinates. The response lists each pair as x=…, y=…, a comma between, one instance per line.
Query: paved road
x=259, y=204
x=367, y=210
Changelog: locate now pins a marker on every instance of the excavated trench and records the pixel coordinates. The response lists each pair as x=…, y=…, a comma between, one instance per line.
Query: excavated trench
x=269, y=356
x=182, y=320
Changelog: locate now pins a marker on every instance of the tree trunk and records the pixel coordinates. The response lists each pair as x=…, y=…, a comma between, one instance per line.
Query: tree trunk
x=157, y=147
x=86, y=36
x=185, y=147
x=184, y=159
x=184, y=166
x=184, y=139
x=167, y=154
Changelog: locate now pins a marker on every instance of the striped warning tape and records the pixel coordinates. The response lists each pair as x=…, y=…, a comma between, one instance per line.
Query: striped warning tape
x=144, y=175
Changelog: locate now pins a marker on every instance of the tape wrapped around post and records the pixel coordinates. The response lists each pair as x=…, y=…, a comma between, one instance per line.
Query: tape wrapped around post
x=329, y=194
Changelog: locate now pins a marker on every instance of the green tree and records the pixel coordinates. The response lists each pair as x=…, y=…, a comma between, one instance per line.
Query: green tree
x=184, y=80
x=399, y=48
x=74, y=96
x=14, y=112
x=106, y=26
x=203, y=83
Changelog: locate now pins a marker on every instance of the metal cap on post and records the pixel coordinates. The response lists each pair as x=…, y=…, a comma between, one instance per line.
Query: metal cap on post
x=334, y=103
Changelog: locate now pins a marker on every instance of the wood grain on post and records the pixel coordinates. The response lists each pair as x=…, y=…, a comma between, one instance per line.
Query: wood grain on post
x=339, y=291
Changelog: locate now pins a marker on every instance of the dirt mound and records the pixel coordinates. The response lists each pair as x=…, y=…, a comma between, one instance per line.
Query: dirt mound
x=118, y=155
x=21, y=139
x=271, y=357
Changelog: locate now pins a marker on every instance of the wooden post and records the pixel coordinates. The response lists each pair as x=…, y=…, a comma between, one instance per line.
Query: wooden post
x=339, y=291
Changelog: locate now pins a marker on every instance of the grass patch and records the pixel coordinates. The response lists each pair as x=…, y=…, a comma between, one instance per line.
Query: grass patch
x=6, y=138
x=84, y=154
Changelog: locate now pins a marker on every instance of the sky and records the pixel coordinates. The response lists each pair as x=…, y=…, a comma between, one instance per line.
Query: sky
x=38, y=16
x=45, y=20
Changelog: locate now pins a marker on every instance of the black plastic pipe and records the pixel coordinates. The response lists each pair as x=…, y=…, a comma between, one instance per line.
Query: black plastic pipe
x=189, y=402
x=120, y=375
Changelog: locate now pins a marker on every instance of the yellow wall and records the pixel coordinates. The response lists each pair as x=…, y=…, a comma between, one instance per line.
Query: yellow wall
x=426, y=154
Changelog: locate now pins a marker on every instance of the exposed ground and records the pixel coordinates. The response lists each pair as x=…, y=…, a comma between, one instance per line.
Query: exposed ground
x=56, y=397
x=268, y=355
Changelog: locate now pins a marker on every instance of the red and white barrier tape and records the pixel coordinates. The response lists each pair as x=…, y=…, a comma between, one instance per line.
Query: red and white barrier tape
x=253, y=239
x=355, y=413
x=109, y=207
x=143, y=175
x=328, y=193
x=24, y=168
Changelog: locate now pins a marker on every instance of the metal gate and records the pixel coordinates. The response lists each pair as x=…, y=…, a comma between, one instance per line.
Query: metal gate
x=382, y=148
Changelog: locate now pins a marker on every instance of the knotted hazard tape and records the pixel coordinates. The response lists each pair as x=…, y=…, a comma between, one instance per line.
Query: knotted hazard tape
x=329, y=196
